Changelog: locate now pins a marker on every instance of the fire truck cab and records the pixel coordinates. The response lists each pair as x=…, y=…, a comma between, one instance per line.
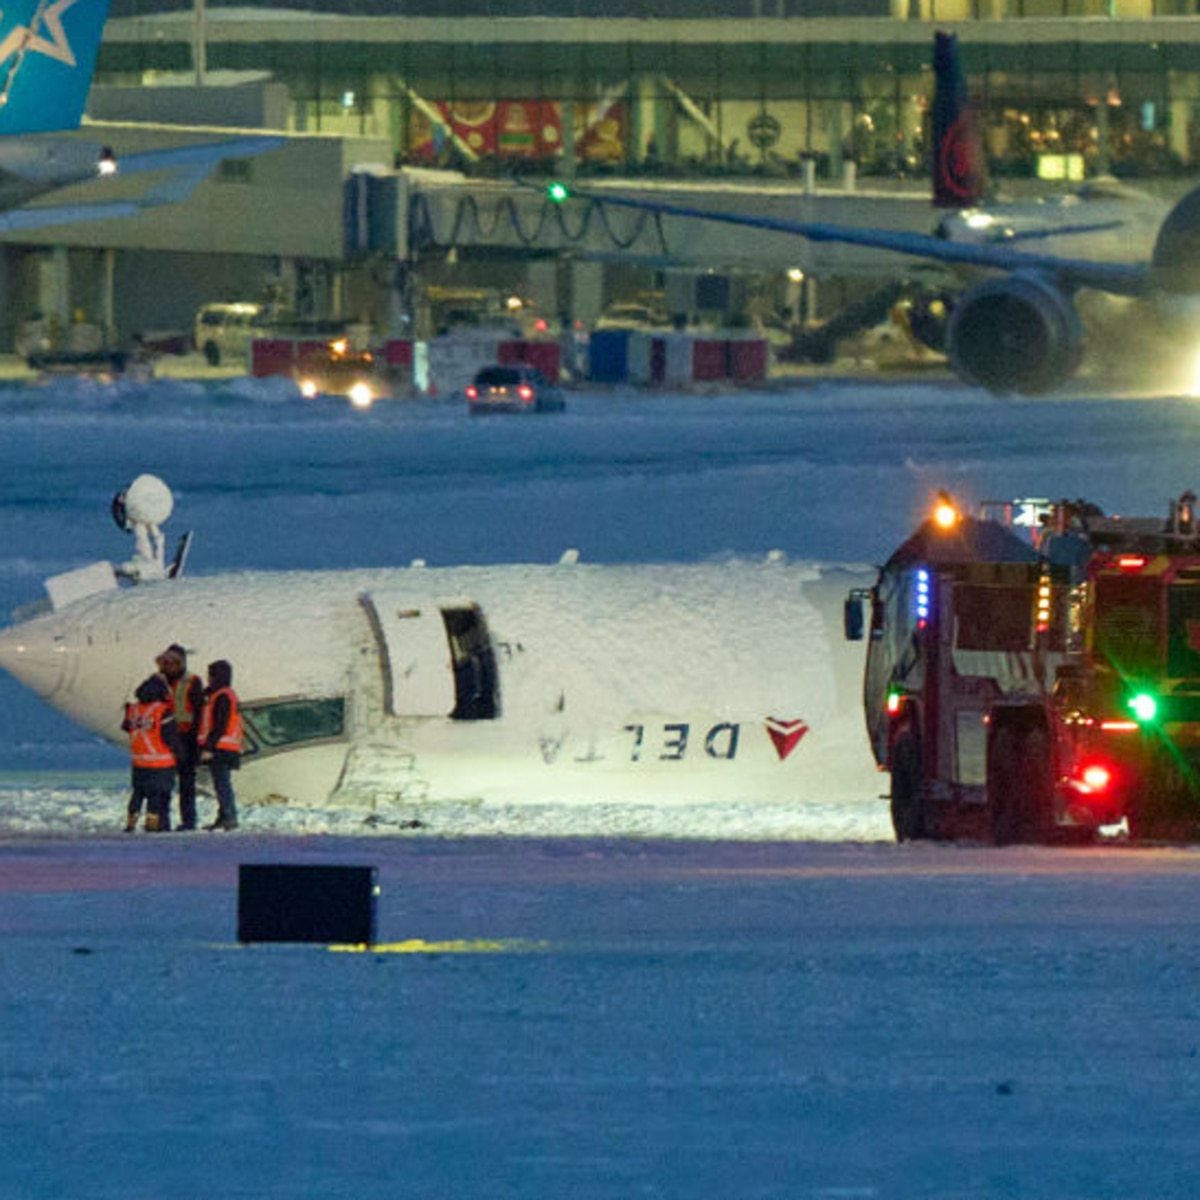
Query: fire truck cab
x=1034, y=673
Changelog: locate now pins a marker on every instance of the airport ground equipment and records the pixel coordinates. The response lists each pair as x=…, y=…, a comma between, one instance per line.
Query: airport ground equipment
x=1033, y=674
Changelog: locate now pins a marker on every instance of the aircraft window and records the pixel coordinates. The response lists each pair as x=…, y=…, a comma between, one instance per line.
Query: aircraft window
x=993, y=618
x=285, y=722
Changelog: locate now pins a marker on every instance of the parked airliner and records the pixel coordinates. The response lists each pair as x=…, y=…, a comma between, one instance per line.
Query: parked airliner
x=47, y=59
x=1014, y=323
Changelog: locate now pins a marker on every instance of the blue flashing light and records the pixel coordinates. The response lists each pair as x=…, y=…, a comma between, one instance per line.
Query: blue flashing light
x=924, y=596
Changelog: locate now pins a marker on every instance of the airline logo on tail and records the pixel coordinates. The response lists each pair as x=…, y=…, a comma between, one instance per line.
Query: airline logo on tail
x=22, y=40
x=958, y=165
x=47, y=58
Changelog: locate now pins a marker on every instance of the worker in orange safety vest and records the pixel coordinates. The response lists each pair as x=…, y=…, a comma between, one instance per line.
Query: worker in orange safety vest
x=153, y=746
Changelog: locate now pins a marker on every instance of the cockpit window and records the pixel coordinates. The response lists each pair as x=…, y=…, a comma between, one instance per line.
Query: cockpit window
x=275, y=724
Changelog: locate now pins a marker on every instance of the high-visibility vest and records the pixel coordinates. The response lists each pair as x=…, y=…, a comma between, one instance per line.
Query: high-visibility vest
x=181, y=693
x=147, y=747
x=231, y=739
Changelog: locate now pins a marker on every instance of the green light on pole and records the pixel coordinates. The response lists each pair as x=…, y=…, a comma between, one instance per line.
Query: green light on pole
x=1143, y=706
x=558, y=192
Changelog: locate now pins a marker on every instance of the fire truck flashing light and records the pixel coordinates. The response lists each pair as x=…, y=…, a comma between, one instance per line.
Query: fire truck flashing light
x=922, y=597
x=945, y=512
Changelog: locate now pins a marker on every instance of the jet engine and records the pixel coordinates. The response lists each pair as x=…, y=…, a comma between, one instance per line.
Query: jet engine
x=1016, y=334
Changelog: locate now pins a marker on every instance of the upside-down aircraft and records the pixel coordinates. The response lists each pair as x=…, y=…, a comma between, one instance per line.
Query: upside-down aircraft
x=48, y=51
x=1014, y=322
x=415, y=686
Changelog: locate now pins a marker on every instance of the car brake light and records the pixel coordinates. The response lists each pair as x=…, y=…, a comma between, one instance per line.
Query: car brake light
x=525, y=392
x=1131, y=562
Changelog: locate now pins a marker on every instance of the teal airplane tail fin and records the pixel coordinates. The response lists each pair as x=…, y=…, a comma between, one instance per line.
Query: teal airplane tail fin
x=48, y=52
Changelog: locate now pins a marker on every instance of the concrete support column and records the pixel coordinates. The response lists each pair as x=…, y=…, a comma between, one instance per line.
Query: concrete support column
x=837, y=132
x=650, y=131
x=567, y=169
x=585, y=290
x=54, y=291
x=1181, y=115
x=1103, y=157
x=541, y=289
x=105, y=303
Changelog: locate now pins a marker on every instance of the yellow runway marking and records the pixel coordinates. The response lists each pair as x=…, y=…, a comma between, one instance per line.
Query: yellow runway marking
x=457, y=946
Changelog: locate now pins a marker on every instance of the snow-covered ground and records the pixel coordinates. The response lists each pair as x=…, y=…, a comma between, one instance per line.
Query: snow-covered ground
x=705, y=1003
x=825, y=472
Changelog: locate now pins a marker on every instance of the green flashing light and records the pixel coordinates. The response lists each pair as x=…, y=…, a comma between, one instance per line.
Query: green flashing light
x=1143, y=706
x=558, y=192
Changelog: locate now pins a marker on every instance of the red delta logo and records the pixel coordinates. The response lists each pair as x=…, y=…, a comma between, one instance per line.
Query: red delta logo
x=785, y=735
x=960, y=167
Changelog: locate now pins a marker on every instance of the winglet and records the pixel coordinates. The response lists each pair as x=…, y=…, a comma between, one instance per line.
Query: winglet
x=48, y=52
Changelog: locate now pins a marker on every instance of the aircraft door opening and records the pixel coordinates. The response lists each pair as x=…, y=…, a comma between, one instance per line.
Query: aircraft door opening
x=437, y=660
x=476, y=680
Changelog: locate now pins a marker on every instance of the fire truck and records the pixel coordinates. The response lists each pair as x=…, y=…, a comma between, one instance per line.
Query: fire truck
x=1033, y=673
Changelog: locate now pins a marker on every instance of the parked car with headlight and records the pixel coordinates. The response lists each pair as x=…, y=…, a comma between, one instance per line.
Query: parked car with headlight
x=336, y=370
x=515, y=388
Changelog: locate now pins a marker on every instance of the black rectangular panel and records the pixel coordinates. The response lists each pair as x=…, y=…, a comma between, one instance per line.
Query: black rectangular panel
x=284, y=903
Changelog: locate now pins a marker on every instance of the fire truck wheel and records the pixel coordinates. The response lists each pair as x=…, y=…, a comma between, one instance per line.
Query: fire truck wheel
x=1020, y=790
x=908, y=809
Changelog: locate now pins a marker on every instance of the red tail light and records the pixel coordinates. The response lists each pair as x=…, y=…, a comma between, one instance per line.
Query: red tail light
x=472, y=392
x=1096, y=776
x=525, y=392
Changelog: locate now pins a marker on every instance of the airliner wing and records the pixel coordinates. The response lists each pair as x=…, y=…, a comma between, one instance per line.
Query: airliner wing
x=193, y=158
x=18, y=220
x=1122, y=279
x=184, y=167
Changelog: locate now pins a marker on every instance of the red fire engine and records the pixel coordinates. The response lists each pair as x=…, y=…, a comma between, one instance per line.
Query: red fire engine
x=1034, y=673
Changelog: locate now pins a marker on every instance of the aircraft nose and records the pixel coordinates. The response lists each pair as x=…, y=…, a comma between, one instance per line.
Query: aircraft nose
x=36, y=654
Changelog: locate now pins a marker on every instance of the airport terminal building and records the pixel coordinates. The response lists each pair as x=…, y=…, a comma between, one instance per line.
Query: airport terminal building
x=761, y=96
x=700, y=85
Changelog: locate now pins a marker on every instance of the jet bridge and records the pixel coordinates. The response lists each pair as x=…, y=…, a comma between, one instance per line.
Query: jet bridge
x=448, y=210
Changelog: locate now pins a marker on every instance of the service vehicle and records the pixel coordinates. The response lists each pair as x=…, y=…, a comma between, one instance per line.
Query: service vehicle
x=335, y=369
x=517, y=388
x=1033, y=674
x=224, y=331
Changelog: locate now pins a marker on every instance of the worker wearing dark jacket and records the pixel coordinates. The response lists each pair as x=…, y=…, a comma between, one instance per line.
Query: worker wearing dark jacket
x=153, y=746
x=187, y=694
x=221, y=740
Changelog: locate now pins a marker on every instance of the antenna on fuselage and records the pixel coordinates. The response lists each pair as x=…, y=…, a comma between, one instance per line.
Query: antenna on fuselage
x=142, y=509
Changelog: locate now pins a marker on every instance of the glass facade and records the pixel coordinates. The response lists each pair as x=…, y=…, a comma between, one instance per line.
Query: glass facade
x=697, y=102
